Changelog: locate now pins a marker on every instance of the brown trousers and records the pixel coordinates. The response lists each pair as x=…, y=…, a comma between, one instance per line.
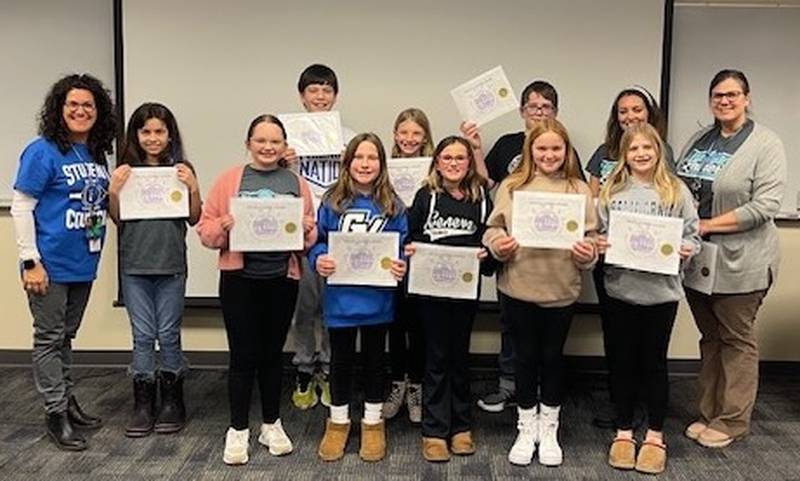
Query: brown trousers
x=728, y=379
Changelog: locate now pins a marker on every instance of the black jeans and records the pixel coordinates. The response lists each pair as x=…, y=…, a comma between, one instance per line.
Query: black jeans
x=343, y=359
x=257, y=314
x=539, y=334
x=406, y=345
x=446, y=399
x=640, y=339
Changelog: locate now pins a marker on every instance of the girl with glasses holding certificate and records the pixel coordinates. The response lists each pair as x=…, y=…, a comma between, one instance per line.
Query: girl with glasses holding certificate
x=538, y=288
x=451, y=210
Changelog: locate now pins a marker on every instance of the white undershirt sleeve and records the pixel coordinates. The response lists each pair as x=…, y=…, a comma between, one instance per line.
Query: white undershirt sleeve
x=22, y=206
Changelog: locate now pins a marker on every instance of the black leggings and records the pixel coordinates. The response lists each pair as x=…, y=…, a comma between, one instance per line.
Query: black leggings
x=343, y=358
x=446, y=396
x=257, y=314
x=640, y=339
x=539, y=334
x=406, y=344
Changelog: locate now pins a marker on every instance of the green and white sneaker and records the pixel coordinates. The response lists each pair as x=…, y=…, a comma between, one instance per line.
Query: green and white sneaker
x=305, y=392
x=324, y=386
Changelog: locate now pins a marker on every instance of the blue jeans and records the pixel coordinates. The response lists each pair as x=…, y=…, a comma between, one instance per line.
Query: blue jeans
x=155, y=306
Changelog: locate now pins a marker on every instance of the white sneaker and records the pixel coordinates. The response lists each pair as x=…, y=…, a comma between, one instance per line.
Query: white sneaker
x=414, y=403
x=395, y=400
x=550, y=453
x=274, y=437
x=524, y=446
x=237, y=443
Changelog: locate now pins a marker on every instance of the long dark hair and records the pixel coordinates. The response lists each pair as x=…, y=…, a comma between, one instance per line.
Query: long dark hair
x=614, y=130
x=132, y=152
x=51, y=117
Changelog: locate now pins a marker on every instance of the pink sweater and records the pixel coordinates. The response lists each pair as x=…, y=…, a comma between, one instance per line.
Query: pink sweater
x=217, y=206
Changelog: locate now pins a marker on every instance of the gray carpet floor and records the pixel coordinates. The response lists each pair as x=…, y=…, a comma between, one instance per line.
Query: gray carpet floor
x=771, y=452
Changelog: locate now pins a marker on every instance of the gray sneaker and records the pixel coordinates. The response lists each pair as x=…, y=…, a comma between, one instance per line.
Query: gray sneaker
x=395, y=400
x=414, y=403
x=497, y=401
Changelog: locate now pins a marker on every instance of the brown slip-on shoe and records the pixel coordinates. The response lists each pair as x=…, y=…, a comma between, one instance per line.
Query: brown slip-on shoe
x=711, y=438
x=461, y=444
x=373, y=441
x=331, y=448
x=652, y=458
x=435, y=450
x=622, y=453
x=694, y=430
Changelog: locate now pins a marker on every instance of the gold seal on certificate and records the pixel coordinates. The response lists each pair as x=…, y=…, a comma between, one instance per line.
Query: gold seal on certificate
x=444, y=271
x=486, y=97
x=258, y=221
x=153, y=193
x=644, y=242
x=363, y=259
x=547, y=220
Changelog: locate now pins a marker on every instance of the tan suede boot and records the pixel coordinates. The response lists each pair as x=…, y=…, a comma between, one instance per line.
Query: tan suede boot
x=652, y=458
x=622, y=454
x=435, y=450
x=461, y=444
x=373, y=441
x=331, y=448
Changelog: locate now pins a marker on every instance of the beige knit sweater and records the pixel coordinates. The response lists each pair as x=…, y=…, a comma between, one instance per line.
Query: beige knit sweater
x=547, y=277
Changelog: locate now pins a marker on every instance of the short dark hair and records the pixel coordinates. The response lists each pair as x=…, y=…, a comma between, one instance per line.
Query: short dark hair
x=51, y=116
x=132, y=152
x=727, y=73
x=543, y=88
x=318, y=74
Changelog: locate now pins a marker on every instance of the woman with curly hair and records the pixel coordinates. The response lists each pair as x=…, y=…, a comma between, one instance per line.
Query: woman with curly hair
x=59, y=210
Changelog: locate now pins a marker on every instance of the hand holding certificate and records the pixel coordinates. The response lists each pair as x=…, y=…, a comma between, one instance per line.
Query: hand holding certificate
x=644, y=242
x=266, y=225
x=485, y=97
x=444, y=271
x=363, y=259
x=407, y=175
x=153, y=193
x=318, y=133
x=701, y=270
x=547, y=220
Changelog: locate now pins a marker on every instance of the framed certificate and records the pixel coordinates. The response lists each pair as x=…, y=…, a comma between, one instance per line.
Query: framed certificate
x=318, y=133
x=407, y=175
x=363, y=259
x=643, y=242
x=486, y=97
x=266, y=225
x=153, y=193
x=548, y=220
x=701, y=270
x=444, y=271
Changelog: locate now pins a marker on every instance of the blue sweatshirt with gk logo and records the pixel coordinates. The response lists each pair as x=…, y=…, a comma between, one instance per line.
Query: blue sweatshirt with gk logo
x=352, y=306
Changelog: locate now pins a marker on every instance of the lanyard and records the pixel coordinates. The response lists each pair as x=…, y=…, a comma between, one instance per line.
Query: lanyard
x=91, y=197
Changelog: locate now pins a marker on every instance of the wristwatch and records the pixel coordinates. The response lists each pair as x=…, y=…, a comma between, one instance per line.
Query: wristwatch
x=28, y=264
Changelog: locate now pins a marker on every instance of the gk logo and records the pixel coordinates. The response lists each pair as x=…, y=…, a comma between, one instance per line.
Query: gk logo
x=359, y=221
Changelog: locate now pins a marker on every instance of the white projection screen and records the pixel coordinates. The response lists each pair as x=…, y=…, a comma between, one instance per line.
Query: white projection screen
x=219, y=64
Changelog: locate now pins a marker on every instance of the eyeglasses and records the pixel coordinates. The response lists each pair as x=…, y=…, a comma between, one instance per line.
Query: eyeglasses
x=458, y=159
x=74, y=106
x=731, y=96
x=543, y=108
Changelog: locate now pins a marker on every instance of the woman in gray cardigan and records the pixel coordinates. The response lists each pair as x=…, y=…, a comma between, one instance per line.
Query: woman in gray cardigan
x=736, y=170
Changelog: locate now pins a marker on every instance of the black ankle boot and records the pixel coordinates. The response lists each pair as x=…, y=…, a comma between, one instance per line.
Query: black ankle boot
x=79, y=418
x=60, y=430
x=144, y=409
x=172, y=413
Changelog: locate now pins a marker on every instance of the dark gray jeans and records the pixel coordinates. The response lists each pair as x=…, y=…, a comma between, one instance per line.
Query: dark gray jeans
x=56, y=318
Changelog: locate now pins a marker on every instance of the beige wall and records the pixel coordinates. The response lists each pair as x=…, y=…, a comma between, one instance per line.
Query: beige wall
x=106, y=327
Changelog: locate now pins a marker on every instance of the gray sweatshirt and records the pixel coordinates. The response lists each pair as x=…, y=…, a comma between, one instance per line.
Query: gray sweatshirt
x=647, y=288
x=751, y=185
